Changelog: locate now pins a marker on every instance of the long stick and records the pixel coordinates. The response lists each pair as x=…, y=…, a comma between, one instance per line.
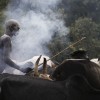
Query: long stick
x=65, y=49
x=62, y=51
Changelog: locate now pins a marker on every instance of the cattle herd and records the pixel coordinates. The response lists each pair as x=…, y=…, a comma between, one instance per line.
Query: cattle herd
x=73, y=79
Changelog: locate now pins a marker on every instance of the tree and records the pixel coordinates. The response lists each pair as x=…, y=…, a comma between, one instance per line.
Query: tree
x=3, y=5
x=56, y=45
x=81, y=8
x=85, y=27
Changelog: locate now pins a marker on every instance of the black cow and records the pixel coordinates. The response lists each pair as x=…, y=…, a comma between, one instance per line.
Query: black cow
x=74, y=81
x=86, y=68
x=26, y=88
x=79, y=65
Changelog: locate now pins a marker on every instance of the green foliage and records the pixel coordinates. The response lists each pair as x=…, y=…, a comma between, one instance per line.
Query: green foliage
x=85, y=27
x=57, y=45
x=83, y=18
x=3, y=5
x=81, y=8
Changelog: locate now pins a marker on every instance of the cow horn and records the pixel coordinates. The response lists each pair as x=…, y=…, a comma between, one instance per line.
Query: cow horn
x=45, y=66
x=36, y=73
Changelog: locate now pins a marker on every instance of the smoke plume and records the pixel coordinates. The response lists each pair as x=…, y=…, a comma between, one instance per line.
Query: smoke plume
x=39, y=20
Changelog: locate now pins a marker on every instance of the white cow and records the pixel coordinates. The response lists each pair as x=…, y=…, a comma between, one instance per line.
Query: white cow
x=33, y=60
x=96, y=60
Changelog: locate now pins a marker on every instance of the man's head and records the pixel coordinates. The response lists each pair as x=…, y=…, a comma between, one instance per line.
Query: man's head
x=12, y=26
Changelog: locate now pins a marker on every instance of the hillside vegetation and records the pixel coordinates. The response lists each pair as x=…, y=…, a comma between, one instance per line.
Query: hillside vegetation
x=82, y=17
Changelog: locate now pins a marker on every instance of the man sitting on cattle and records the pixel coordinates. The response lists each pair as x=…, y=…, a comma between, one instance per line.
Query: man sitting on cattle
x=11, y=29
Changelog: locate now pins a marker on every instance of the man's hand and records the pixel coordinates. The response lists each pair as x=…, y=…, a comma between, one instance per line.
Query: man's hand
x=29, y=64
x=26, y=70
x=27, y=67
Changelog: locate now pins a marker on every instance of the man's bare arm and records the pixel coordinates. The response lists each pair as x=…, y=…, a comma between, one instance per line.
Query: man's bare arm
x=9, y=61
x=6, y=52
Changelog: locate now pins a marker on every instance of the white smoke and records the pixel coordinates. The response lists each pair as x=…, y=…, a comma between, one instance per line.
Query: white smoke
x=39, y=20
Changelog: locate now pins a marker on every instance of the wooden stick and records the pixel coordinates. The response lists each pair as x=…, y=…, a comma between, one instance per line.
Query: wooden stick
x=63, y=50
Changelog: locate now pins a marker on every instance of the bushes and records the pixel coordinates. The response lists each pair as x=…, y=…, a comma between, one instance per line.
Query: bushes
x=3, y=5
x=86, y=27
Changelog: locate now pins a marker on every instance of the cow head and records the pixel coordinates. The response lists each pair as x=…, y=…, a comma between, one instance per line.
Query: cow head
x=79, y=54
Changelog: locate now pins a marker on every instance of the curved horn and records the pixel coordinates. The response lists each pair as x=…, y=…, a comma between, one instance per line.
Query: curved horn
x=44, y=66
x=36, y=73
